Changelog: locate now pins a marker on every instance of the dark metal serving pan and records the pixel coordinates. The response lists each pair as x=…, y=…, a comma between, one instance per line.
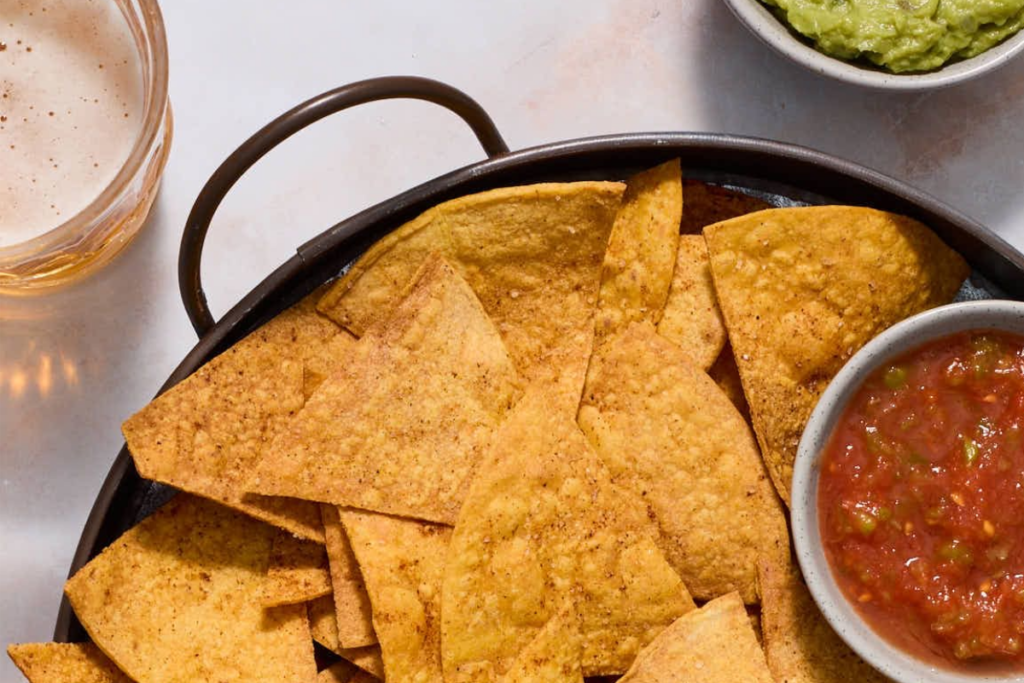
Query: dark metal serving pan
x=782, y=174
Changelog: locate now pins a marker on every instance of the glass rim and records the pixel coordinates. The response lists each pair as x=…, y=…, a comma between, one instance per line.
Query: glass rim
x=153, y=57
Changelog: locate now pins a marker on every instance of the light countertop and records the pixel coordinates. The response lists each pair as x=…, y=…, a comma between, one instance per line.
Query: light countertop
x=544, y=71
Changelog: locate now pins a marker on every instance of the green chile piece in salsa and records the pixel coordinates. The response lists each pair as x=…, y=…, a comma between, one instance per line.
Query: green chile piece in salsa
x=903, y=35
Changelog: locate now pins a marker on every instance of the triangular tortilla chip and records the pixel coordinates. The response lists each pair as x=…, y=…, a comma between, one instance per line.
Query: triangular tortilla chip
x=298, y=572
x=801, y=290
x=173, y=599
x=323, y=626
x=528, y=252
x=354, y=622
x=714, y=644
x=799, y=644
x=65, y=663
x=554, y=655
x=669, y=434
x=641, y=255
x=402, y=562
x=691, y=319
x=543, y=521
x=401, y=427
x=707, y=204
x=205, y=434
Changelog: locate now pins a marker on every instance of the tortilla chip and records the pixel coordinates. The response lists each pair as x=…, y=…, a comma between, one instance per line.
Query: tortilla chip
x=714, y=644
x=799, y=644
x=65, y=663
x=707, y=204
x=727, y=377
x=667, y=432
x=298, y=572
x=402, y=561
x=554, y=655
x=339, y=672
x=363, y=677
x=755, y=623
x=323, y=626
x=543, y=522
x=801, y=290
x=322, y=360
x=641, y=254
x=401, y=427
x=173, y=599
x=205, y=434
x=692, y=319
x=526, y=251
x=354, y=623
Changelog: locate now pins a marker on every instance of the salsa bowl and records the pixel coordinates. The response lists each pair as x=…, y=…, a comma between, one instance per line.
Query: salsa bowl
x=885, y=360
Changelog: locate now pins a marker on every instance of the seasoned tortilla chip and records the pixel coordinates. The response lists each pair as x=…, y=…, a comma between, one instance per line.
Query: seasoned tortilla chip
x=297, y=573
x=339, y=672
x=542, y=522
x=205, y=435
x=363, y=677
x=65, y=663
x=692, y=319
x=754, y=614
x=799, y=644
x=173, y=600
x=667, y=432
x=402, y=562
x=801, y=290
x=323, y=359
x=354, y=622
x=727, y=377
x=554, y=655
x=532, y=254
x=323, y=626
x=637, y=269
x=707, y=204
x=714, y=644
x=400, y=428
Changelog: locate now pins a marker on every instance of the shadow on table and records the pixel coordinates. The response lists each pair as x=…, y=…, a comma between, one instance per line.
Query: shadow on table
x=61, y=356
x=963, y=144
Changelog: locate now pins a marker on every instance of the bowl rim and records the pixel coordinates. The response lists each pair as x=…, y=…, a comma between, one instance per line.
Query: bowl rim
x=936, y=323
x=759, y=20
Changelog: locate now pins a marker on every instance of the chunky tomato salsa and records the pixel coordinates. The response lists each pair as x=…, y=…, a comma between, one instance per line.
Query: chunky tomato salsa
x=921, y=500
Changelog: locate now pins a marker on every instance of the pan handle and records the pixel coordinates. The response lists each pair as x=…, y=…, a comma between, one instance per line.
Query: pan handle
x=282, y=128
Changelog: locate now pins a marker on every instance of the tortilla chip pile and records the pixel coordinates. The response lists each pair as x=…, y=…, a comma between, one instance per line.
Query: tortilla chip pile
x=536, y=434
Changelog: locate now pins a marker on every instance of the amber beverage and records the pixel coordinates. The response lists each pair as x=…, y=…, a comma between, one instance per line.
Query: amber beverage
x=84, y=133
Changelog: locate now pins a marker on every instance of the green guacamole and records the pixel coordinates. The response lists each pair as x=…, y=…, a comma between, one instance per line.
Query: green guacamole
x=903, y=35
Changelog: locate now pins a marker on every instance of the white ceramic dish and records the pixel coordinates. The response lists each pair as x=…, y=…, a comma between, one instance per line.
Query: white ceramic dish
x=908, y=334
x=759, y=19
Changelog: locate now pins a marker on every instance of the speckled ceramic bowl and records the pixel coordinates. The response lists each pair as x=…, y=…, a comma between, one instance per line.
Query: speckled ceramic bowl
x=844, y=618
x=766, y=26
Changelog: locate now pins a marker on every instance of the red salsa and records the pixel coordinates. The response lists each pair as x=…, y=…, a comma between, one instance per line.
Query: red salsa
x=921, y=500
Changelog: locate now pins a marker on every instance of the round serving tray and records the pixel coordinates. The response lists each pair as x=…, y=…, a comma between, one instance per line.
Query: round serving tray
x=780, y=173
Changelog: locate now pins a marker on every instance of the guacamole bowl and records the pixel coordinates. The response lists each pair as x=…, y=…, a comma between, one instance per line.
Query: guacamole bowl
x=865, y=483
x=760, y=20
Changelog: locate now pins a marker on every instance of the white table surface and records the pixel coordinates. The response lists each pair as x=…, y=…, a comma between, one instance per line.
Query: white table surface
x=545, y=71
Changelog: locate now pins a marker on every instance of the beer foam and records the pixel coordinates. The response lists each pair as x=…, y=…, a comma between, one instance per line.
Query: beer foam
x=71, y=107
